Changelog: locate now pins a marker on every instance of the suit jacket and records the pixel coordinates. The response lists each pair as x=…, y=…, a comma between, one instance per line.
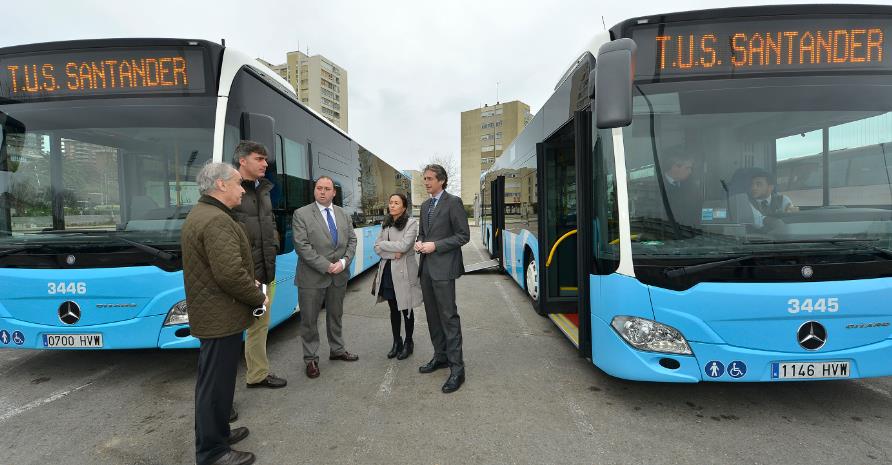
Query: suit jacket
x=315, y=252
x=448, y=229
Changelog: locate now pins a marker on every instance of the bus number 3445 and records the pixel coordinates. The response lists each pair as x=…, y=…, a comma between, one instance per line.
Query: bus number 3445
x=63, y=287
x=829, y=305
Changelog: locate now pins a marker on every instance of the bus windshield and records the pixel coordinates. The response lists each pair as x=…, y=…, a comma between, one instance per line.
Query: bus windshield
x=719, y=167
x=109, y=166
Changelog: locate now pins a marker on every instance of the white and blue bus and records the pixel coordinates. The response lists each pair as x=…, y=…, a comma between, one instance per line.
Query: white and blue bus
x=101, y=142
x=583, y=211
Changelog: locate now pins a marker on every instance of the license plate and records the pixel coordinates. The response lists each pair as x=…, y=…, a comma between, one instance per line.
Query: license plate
x=66, y=341
x=810, y=370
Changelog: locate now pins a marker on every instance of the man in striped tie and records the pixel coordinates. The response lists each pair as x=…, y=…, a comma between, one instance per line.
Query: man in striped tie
x=325, y=246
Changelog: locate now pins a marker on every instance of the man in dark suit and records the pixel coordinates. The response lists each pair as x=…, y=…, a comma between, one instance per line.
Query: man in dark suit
x=325, y=246
x=443, y=231
x=681, y=192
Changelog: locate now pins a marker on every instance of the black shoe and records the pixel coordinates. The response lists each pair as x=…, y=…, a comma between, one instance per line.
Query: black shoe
x=233, y=414
x=433, y=366
x=454, y=382
x=237, y=434
x=408, y=347
x=396, y=349
x=235, y=457
x=271, y=381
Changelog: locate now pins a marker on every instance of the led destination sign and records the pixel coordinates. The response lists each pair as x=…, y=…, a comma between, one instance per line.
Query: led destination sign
x=758, y=47
x=102, y=72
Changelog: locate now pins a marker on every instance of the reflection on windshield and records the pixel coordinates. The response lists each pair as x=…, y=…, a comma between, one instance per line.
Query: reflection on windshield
x=72, y=169
x=712, y=168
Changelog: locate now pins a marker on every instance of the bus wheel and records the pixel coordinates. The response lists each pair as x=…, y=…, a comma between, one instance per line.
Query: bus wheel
x=532, y=278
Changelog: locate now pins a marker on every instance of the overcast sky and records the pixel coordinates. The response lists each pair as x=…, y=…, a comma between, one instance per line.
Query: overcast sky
x=413, y=66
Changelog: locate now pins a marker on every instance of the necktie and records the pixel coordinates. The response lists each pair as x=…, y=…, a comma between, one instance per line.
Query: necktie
x=331, y=227
x=430, y=211
x=764, y=205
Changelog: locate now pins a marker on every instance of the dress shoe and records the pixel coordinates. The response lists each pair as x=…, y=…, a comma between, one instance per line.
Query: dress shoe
x=235, y=457
x=312, y=369
x=433, y=366
x=237, y=434
x=345, y=356
x=233, y=414
x=454, y=382
x=408, y=347
x=396, y=349
x=271, y=381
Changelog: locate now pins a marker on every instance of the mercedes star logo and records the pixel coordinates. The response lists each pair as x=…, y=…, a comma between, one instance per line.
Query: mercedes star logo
x=69, y=313
x=811, y=335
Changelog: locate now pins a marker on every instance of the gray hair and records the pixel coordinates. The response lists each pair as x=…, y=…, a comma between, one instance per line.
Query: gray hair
x=439, y=173
x=210, y=173
x=247, y=147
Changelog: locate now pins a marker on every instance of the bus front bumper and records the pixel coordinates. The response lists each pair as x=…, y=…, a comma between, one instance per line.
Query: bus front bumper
x=137, y=333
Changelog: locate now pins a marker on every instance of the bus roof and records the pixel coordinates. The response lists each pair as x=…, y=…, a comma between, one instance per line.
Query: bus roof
x=749, y=12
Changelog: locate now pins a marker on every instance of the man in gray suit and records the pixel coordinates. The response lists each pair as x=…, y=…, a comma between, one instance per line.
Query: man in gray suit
x=443, y=231
x=325, y=246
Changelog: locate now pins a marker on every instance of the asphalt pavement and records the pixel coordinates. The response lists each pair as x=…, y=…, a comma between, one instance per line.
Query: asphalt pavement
x=528, y=399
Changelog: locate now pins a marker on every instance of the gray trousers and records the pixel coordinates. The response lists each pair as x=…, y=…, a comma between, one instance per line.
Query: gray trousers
x=443, y=321
x=310, y=301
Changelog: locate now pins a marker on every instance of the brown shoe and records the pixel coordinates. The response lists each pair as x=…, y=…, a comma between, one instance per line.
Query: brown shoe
x=235, y=457
x=345, y=356
x=312, y=369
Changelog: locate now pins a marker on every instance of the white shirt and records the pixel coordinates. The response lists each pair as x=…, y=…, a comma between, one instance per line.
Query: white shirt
x=759, y=218
x=334, y=217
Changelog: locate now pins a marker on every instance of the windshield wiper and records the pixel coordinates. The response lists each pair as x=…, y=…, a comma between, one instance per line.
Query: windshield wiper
x=693, y=269
x=155, y=252
x=23, y=248
x=838, y=241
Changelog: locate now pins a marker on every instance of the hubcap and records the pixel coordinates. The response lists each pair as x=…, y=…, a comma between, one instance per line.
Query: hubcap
x=533, y=280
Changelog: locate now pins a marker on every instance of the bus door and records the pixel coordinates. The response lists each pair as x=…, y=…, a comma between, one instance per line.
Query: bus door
x=558, y=281
x=497, y=205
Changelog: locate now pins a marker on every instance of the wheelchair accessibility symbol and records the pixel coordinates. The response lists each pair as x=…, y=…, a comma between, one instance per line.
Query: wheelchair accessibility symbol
x=18, y=338
x=736, y=369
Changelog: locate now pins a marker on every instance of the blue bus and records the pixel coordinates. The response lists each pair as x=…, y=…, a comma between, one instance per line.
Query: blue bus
x=628, y=207
x=101, y=142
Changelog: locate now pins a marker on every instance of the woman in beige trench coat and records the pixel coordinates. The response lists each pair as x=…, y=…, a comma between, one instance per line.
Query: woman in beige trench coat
x=397, y=278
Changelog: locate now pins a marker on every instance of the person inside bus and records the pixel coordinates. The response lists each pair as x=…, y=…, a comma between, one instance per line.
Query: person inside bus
x=221, y=293
x=680, y=190
x=397, y=279
x=765, y=202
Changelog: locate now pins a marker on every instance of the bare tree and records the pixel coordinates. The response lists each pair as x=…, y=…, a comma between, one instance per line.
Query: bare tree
x=453, y=170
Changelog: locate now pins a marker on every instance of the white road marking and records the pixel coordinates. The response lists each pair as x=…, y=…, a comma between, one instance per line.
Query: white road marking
x=386, y=386
x=578, y=415
x=56, y=396
x=524, y=329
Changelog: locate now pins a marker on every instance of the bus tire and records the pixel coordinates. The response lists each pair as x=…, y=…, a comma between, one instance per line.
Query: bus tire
x=531, y=279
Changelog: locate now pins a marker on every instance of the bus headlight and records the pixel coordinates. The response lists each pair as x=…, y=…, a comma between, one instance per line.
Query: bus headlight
x=177, y=315
x=651, y=336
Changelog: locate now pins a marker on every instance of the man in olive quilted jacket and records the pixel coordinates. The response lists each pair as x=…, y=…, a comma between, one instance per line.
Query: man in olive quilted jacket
x=218, y=273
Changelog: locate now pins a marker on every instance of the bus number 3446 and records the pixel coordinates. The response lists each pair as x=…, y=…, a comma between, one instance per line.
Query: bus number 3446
x=829, y=305
x=63, y=287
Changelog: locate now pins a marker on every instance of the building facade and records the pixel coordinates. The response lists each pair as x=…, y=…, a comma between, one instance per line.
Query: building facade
x=419, y=193
x=319, y=82
x=485, y=132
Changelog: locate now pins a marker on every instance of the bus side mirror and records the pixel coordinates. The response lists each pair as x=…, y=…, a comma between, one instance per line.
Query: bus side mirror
x=614, y=72
x=259, y=128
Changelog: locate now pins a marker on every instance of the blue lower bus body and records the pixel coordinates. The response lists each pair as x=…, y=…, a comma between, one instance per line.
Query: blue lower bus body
x=128, y=305
x=748, y=323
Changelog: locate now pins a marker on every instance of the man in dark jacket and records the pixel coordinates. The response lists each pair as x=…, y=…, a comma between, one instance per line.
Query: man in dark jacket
x=218, y=275
x=443, y=231
x=256, y=214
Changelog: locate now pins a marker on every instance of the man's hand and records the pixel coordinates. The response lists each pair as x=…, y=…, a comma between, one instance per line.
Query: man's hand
x=335, y=267
x=418, y=246
x=397, y=255
x=427, y=247
x=266, y=302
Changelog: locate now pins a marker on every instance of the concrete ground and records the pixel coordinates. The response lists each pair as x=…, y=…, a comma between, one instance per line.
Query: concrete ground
x=528, y=399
